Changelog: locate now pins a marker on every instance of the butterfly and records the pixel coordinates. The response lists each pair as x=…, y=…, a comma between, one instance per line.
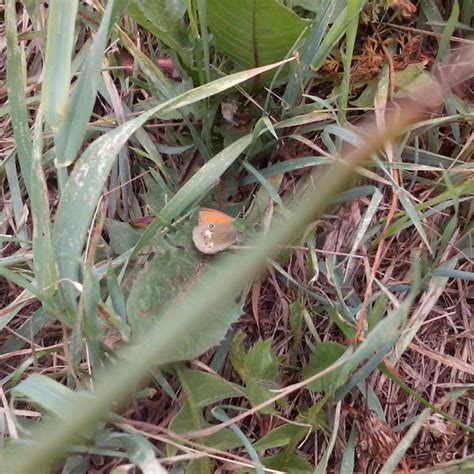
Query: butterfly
x=215, y=231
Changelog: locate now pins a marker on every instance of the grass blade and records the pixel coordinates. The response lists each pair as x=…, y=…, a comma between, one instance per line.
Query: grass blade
x=57, y=67
x=45, y=270
x=71, y=134
x=16, y=84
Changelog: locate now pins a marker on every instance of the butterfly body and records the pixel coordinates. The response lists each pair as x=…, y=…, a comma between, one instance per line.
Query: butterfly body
x=215, y=231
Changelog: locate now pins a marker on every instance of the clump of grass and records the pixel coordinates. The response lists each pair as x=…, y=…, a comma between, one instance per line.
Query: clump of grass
x=343, y=144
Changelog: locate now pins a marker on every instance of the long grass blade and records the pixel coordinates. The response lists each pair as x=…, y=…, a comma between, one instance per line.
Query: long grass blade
x=57, y=67
x=70, y=136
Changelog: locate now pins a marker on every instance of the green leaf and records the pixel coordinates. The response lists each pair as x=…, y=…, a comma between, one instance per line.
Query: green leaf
x=189, y=419
x=361, y=230
x=366, y=99
x=142, y=453
x=164, y=18
x=414, y=217
x=35, y=322
x=266, y=184
x=163, y=281
x=443, y=50
x=206, y=388
x=48, y=395
x=351, y=34
x=312, y=44
x=238, y=353
x=91, y=295
x=16, y=84
x=253, y=32
x=261, y=373
x=70, y=136
x=122, y=235
x=432, y=14
x=280, y=436
x=45, y=269
x=347, y=462
x=296, y=325
x=325, y=354
x=222, y=416
x=116, y=296
x=295, y=463
x=406, y=76
x=57, y=68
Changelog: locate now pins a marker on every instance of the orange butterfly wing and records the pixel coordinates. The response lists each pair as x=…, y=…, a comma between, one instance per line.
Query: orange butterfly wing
x=207, y=216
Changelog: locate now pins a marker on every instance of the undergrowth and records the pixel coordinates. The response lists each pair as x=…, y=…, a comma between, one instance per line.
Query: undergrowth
x=335, y=335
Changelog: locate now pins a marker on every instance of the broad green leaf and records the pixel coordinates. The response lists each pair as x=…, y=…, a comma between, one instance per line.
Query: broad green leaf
x=190, y=419
x=422, y=84
x=166, y=278
x=366, y=99
x=253, y=32
x=406, y=76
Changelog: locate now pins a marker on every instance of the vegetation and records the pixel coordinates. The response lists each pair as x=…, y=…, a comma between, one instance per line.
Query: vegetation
x=336, y=336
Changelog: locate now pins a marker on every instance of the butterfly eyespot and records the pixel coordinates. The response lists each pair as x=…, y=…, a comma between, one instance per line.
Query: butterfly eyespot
x=211, y=225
